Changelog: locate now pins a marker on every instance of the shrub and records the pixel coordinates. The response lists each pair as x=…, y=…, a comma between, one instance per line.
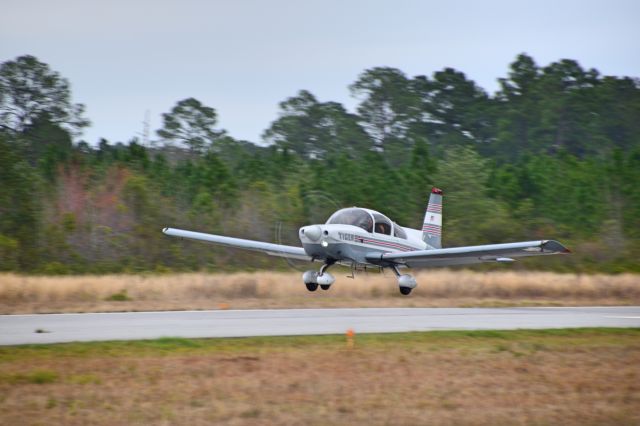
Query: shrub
x=121, y=296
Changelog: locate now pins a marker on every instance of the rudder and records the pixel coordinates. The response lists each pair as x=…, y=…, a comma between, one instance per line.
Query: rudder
x=432, y=224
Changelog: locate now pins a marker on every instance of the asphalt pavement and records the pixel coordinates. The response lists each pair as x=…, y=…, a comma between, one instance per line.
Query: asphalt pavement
x=56, y=328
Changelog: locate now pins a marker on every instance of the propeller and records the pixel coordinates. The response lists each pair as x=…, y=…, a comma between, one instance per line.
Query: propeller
x=320, y=206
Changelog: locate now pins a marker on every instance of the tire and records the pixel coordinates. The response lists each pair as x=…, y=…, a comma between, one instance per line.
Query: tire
x=405, y=291
x=325, y=286
x=311, y=286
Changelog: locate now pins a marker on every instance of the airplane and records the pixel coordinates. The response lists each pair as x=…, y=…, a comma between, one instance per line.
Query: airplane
x=363, y=238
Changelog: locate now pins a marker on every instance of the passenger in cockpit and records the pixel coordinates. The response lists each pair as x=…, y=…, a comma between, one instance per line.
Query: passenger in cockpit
x=382, y=228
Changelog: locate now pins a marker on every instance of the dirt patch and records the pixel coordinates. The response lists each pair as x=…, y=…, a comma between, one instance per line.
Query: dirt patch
x=559, y=377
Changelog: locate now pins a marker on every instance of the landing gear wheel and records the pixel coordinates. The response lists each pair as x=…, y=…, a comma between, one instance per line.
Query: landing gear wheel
x=325, y=286
x=405, y=290
x=311, y=286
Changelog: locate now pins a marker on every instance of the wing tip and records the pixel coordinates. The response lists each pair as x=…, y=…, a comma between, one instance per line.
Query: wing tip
x=556, y=247
x=435, y=190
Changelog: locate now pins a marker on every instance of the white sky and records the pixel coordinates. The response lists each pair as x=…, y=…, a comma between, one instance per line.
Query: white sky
x=243, y=57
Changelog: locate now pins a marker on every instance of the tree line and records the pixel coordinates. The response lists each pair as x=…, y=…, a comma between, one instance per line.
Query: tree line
x=553, y=153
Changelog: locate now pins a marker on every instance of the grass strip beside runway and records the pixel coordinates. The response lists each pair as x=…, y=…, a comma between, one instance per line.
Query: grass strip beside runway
x=568, y=376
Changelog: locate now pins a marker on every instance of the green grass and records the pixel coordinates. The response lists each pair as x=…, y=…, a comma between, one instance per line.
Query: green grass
x=484, y=340
x=121, y=296
x=39, y=377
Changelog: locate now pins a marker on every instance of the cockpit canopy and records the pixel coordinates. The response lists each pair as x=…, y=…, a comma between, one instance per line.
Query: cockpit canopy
x=352, y=216
x=369, y=221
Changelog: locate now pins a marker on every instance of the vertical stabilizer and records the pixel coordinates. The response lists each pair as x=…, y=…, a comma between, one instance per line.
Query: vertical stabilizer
x=432, y=224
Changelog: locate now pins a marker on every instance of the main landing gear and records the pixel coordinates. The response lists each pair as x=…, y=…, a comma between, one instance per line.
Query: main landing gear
x=313, y=279
x=405, y=281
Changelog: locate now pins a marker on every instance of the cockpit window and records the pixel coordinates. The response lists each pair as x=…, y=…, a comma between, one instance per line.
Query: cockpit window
x=383, y=225
x=353, y=216
x=398, y=231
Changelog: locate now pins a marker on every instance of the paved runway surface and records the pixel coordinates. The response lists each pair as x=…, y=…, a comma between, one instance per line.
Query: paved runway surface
x=21, y=329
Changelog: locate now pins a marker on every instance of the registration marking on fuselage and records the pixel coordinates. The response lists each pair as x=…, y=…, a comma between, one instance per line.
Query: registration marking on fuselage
x=344, y=236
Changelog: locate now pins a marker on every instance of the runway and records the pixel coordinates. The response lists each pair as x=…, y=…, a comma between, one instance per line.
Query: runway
x=57, y=328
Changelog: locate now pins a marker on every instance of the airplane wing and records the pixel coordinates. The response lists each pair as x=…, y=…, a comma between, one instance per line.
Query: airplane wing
x=268, y=248
x=470, y=255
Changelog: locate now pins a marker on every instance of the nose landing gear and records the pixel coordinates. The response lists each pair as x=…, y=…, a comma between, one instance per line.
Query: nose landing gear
x=322, y=278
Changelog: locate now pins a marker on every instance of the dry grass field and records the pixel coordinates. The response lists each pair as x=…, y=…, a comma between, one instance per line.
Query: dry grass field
x=569, y=377
x=25, y=294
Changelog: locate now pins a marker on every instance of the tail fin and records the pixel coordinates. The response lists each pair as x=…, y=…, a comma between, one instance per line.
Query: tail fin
x=432, y=224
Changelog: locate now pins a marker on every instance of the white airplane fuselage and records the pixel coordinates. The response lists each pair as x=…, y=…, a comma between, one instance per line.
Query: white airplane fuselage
x=351, y=243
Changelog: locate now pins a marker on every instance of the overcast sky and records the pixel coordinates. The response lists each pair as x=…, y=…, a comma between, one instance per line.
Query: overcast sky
x=243, y=57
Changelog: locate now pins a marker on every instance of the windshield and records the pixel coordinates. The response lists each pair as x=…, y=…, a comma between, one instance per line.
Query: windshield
x=353, y=216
